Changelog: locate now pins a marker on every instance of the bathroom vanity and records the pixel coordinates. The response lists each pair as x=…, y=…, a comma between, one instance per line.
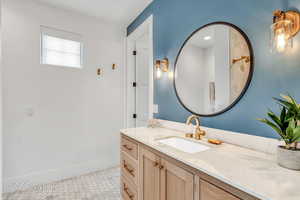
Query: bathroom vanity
x=213, y=70
x=155, y=166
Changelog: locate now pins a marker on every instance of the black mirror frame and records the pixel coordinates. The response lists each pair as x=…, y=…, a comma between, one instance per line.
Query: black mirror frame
x=248, y=80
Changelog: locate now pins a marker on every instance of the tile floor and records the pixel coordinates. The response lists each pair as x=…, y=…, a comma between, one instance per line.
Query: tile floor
x=102, y=185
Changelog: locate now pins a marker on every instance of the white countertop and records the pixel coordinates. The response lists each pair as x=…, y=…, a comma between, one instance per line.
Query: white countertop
x=254, y=172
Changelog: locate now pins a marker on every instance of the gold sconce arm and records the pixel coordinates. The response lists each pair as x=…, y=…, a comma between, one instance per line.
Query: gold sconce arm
x=246, y=58
x=280, y=17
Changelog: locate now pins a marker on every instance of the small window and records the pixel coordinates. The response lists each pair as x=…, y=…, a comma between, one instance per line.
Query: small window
x=60, y=48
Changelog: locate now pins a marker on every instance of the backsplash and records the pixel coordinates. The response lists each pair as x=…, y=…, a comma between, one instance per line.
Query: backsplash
x=175, y=20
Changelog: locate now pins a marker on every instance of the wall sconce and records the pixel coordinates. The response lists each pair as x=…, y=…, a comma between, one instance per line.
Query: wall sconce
x=285, y=26
x=161, y=66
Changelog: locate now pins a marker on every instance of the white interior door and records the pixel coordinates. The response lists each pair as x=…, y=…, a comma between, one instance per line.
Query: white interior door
x=142, y=78
x=139, y=70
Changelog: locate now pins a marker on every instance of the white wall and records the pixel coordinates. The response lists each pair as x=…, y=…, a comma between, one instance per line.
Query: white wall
x=77, y=115
x=190, y=70
x=222, y=67
x=209, y=76
x=1, y=97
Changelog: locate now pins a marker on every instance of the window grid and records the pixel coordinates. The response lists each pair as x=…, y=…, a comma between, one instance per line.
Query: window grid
x=60, y=52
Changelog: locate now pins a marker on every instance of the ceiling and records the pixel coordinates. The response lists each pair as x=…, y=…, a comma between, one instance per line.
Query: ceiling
x=198, y=38
x=118, y=11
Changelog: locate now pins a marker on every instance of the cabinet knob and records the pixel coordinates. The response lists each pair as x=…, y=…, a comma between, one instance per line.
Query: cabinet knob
x=130, y=171
x=161, y=167
x=126, y=190
x=127, y=147
x=155, y=164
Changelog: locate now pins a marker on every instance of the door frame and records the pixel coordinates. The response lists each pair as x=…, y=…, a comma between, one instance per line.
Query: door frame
x=145, y=27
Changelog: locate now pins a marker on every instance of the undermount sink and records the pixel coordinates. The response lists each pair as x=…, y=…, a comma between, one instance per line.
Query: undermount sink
x=183, y=144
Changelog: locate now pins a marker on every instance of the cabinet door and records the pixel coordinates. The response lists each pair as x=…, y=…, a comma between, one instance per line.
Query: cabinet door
x=149, y=175
x=176, y=183
x=211, y=192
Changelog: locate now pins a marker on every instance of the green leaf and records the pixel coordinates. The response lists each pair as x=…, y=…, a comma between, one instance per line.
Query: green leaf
x=287, y=98
x=283, y=114
x=296, y=137
x=285, y=124
x=283, y=103
x=292, y=100
x=290, y=131
x=292, y=124
x=275, y=119
x=272, y=125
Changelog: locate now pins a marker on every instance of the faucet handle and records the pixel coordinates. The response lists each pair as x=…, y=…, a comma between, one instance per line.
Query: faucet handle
x=199, y=133
x=189, y=135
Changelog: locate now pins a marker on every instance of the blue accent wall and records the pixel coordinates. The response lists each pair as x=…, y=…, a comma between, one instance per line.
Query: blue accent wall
x=175, y=20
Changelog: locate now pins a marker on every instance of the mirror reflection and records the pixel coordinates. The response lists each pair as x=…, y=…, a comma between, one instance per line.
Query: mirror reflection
x=213, y=69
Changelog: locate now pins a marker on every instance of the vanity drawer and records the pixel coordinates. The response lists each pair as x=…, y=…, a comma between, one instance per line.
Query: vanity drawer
x=129, y=147
x=128, y=191
x=129, y=168
x=211, y=192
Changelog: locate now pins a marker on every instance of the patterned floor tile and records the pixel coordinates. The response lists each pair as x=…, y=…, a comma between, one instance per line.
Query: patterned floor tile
x=101, y=185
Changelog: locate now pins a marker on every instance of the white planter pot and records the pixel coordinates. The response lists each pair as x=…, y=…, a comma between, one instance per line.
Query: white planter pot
x=288, y=158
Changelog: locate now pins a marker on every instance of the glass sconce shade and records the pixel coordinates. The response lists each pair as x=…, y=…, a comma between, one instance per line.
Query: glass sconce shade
x=158, y=73
x=161, y=66
x=286, y=25
x=157, y=69
x=281, y=36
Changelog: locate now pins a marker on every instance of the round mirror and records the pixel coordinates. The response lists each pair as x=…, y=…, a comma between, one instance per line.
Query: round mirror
x=213, y=69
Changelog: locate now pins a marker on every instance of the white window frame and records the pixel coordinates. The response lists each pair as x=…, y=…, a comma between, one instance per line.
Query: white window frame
x=53, y=32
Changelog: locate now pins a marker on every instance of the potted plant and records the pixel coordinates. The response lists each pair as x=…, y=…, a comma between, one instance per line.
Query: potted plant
x=287, y=125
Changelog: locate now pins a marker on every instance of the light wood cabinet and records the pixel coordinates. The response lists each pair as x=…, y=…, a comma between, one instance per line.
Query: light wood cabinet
x=211, y=192
x=130, y=147
x=148, y=174
x=163, y=180
x=129, y=168
x=176, y=183
x=128, y=190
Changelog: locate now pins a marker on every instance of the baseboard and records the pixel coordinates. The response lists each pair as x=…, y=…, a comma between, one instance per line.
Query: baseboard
x=43, y=177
